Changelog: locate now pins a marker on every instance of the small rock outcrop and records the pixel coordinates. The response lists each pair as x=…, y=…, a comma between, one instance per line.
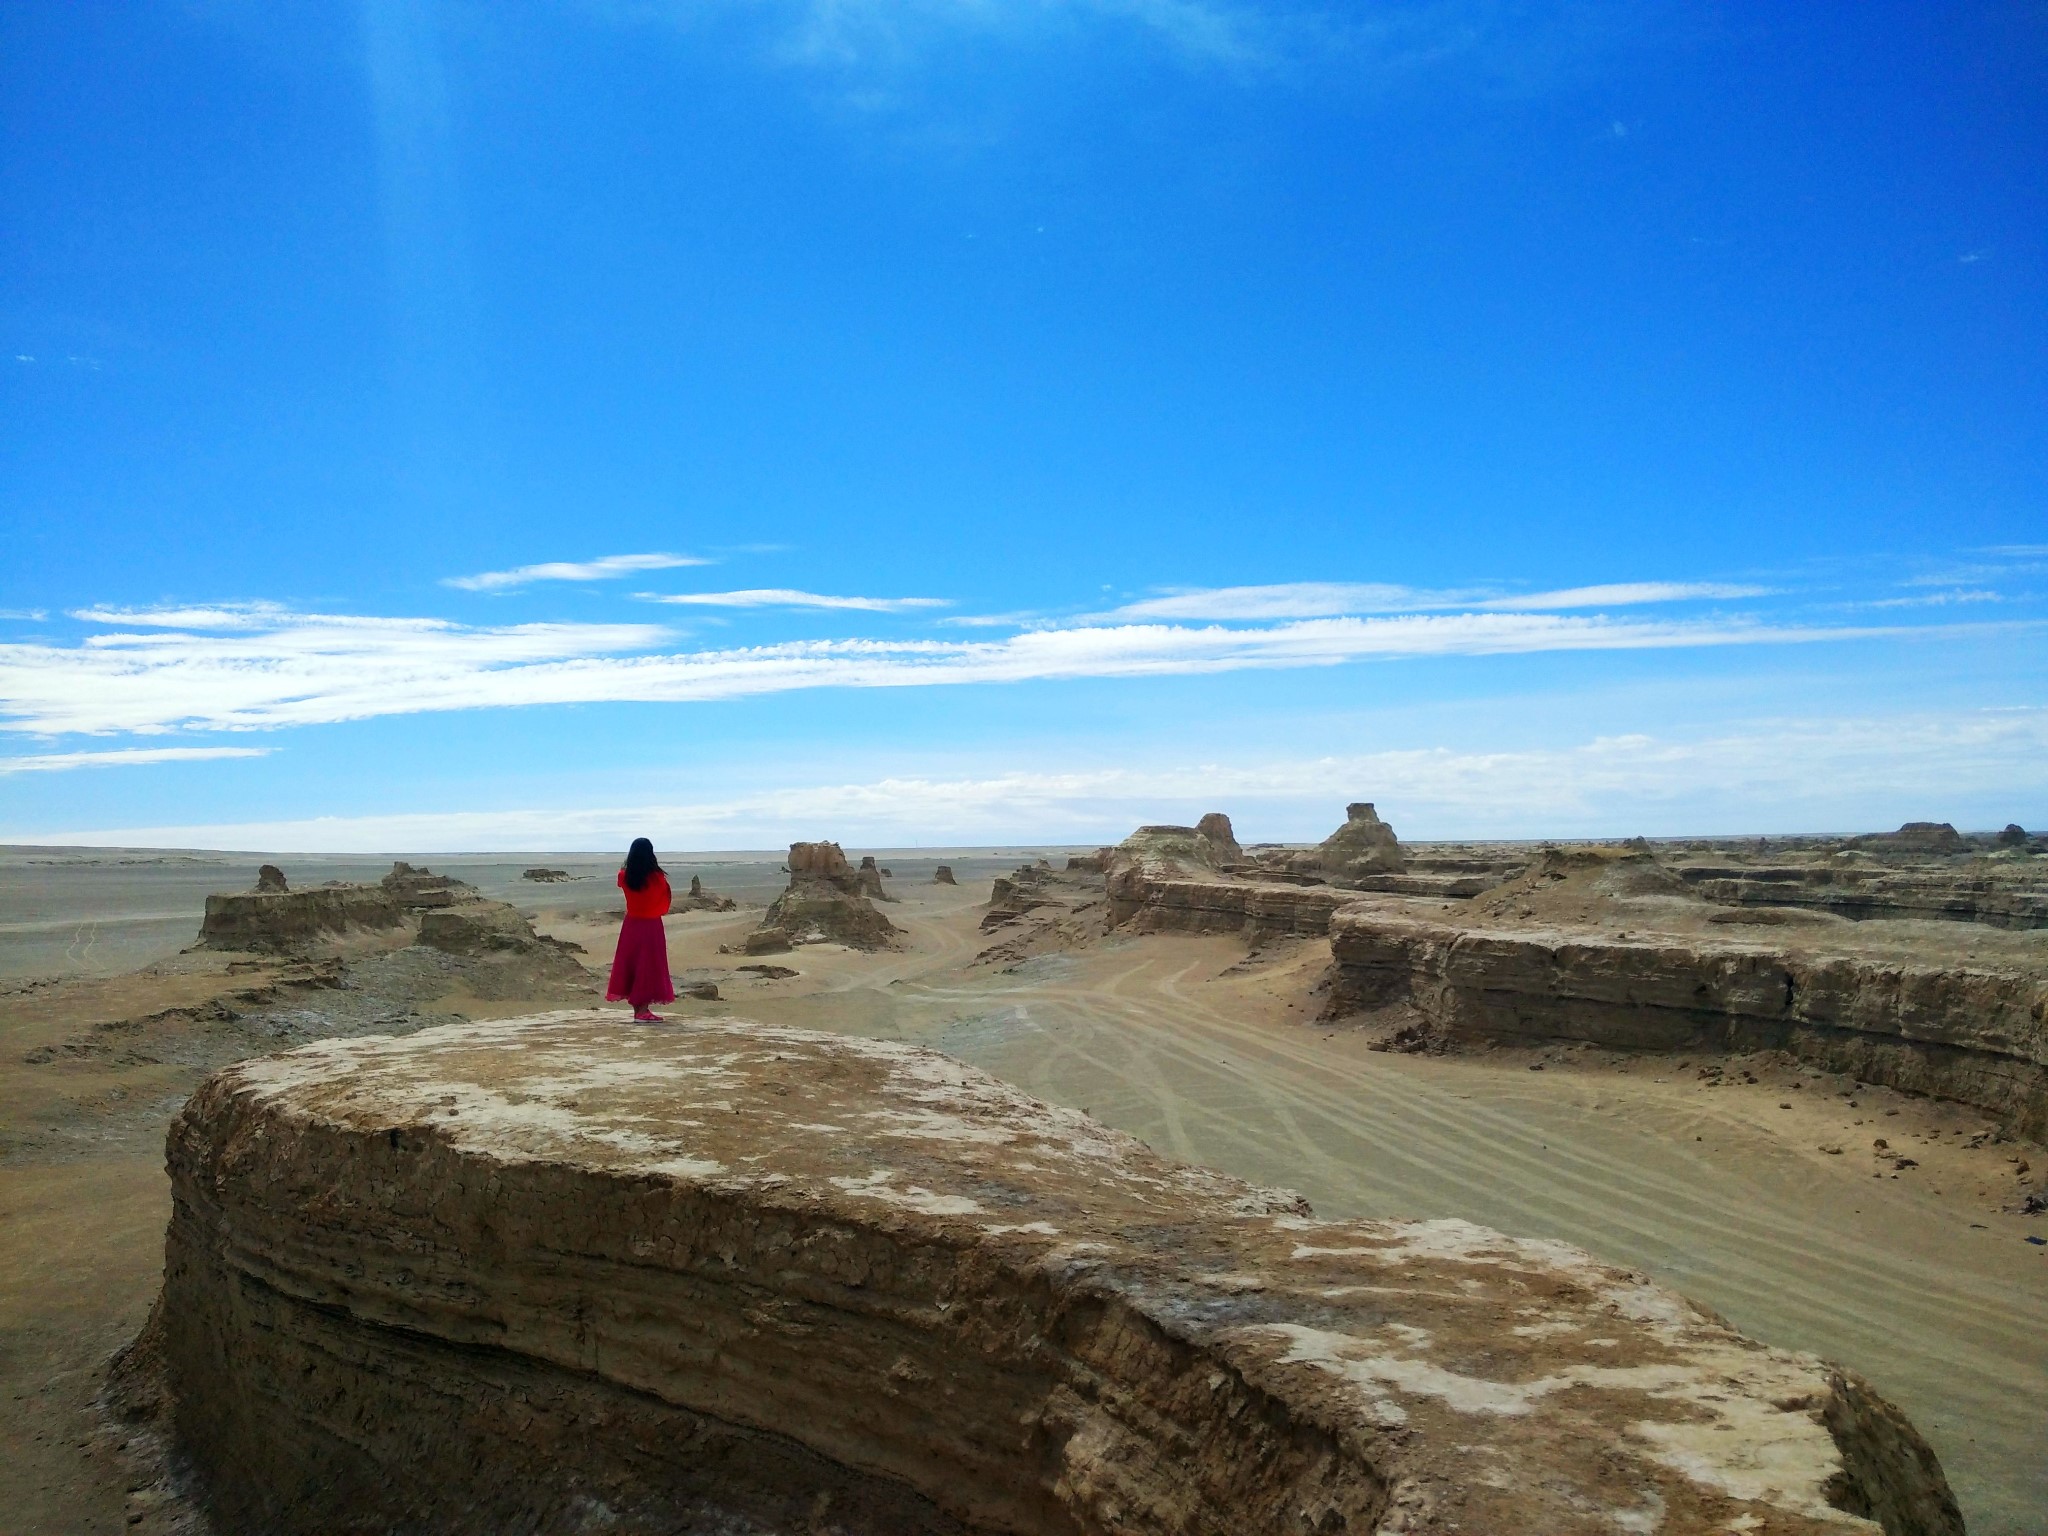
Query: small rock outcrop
x=1363, y=846
x=826, y=901
x=422, y=888
x=545, y=876
x=2014, y=836
x=563, y=1273
x=486, y=928
x=943, y=875
x=869, y=880
x=700, y=900
x=271, y=878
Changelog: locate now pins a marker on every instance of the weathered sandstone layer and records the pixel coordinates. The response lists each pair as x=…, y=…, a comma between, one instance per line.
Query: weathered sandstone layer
x=1164, y=879
x=1976, y=1036
x=2000, y=898
x=564, y=1274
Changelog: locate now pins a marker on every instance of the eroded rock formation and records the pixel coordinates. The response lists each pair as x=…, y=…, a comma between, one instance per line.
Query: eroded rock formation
x=422, y=888
x=869, y=880
x=1166, y=879
x=487, y=928
x=442, y=913
x=271, y=878
x=273, y=918
x=700, y=900
x=1215, y=830
x=1363, y=846
x=1918, y=837
x=826, y=901
x=1997, y=897
x=1540, y=960
x=564, y=1274
x=943, y=875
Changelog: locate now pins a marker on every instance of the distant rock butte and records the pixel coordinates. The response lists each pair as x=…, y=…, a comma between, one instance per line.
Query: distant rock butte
x=566, y=1274
x=943, y=875
x=827, y=900
x=1919, y=837
x=1364, y=845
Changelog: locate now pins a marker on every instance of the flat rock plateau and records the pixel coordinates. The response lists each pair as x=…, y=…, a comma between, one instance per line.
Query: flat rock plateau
x=573, y=1274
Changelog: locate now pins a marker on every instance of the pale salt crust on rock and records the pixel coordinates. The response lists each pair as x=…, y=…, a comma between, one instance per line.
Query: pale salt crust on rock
x=570, y=1273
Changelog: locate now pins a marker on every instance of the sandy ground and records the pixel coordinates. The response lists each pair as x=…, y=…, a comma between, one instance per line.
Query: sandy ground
x=1923, y=1281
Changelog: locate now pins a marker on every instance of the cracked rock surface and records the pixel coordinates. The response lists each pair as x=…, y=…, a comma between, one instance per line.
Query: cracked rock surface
x=565, y=1273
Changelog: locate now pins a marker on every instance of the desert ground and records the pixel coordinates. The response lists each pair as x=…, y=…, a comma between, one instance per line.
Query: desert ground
x=1921, y=1277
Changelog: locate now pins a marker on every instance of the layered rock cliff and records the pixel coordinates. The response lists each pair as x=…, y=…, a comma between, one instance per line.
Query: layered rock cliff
x=1999, y=898
x=1165, y=879
x=1959, y=1032
x=565, y=1274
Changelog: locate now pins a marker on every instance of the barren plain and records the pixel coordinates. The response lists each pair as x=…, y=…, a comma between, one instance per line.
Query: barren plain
x=1752, y=1182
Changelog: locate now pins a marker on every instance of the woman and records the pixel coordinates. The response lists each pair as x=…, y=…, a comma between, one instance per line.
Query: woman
x=640, y=968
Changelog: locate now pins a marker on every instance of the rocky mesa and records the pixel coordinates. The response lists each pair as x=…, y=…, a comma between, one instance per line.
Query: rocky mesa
x=564, y=1274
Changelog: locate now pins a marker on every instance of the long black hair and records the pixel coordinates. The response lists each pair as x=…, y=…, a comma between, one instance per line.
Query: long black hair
x=640, y=863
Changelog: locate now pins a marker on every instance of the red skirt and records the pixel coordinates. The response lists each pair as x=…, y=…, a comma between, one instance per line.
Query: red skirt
x=640, y=968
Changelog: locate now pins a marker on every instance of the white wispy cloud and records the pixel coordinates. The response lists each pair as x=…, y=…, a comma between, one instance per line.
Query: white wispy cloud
x=1934, y=599
x=789, y=597
x=1330, y=599
x=123, y=757
x=1624, y=594
x=314, y=669
x=1283, y=600
x=605, y=569
x=1826, y=774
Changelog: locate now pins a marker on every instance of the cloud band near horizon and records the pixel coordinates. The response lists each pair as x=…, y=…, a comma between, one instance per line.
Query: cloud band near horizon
x=279, y=670
x=1772, y=776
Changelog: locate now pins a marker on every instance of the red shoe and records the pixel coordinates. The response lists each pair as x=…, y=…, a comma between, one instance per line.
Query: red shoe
x=647, y=1017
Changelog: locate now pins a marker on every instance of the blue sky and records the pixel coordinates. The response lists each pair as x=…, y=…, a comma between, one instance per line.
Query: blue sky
x=462, y=426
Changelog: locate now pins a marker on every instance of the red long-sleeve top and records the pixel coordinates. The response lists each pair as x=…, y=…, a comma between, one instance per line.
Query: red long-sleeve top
x=651, y=900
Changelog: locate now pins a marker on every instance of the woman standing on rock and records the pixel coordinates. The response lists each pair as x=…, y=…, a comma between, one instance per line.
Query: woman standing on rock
x=640, y=968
